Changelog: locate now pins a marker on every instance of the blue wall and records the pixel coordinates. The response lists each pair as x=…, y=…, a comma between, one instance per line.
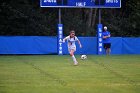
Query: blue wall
x=131, y=46
x=28, y=45
x=48, y=45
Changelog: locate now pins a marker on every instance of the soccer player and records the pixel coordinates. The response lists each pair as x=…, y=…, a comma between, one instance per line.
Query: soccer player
x=106, y=41
x=71, y=39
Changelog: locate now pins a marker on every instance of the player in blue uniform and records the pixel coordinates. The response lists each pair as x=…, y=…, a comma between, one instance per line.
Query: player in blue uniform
x=71, y=39
x=106, y=41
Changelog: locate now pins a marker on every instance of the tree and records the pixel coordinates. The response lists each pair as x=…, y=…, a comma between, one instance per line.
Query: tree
x=25, y=17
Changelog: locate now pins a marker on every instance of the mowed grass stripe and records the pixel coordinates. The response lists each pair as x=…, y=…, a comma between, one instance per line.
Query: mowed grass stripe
x=24, y=74
x=119, y=72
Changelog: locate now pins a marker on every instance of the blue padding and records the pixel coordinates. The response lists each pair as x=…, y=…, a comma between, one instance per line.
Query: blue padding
x=28, y=45
x=89, y=46
x=116, y=45
x=131, y=45
x=48, y=45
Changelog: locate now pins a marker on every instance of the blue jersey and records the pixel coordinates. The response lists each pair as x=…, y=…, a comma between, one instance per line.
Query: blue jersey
x=107, y=40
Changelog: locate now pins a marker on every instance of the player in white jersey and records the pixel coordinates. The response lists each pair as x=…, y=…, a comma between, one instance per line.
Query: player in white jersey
x=71, y=39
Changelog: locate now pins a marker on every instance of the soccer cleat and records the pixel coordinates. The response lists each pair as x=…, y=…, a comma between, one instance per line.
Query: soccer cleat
x=75, y=63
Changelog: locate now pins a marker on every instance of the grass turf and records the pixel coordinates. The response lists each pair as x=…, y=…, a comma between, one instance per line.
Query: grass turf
x=56, y=74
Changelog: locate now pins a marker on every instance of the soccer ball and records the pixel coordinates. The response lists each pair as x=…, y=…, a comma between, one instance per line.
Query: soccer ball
x=83, y=57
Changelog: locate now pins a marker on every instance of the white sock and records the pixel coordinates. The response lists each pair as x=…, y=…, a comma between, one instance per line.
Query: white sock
x=74, y=59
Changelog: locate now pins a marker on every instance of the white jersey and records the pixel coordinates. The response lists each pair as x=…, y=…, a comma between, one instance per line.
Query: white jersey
x=71, y=42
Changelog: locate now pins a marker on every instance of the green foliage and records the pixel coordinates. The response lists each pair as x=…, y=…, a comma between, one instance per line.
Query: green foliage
x=25, y=17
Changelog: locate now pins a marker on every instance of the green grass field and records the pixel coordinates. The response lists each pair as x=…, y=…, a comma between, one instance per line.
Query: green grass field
x=56, y=74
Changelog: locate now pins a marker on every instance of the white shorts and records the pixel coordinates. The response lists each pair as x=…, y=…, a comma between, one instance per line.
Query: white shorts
x=71, y=48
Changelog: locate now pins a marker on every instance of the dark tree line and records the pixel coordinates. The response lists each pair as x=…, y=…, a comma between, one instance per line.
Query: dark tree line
x=25, y=17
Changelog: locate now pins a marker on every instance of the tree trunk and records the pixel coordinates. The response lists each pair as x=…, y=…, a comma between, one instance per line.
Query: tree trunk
x=90, y=17
x=94, y=17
